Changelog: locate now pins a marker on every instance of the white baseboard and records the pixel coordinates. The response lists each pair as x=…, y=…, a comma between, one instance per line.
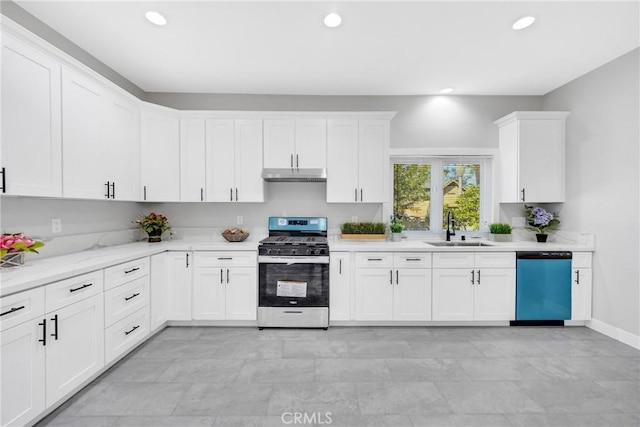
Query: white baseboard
x=615, y=333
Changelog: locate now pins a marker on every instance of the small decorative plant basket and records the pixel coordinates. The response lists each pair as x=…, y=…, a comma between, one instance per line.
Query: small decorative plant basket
x=10, y=260
x=235, y=234
x=364, y=231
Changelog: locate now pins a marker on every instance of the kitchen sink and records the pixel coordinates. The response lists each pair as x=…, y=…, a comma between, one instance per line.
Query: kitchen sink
x=459, y=244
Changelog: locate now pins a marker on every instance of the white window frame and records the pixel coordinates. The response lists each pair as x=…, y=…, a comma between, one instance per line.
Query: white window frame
x=437, y=160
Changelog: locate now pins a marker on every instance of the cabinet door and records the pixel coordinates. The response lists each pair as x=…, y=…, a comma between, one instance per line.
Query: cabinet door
x=121, y=142
x=374, y=294
x=31, y=121
x=542, y=177
x=311, y=144
x=495, y=294
x=581, y=294
x=342, y=161
x=192, y=160
x=452, y=294
x=279, y=144
x=78, y=351
x=249, y=185
x=83, y=113
x=340, y=286
x=159, y=290
x=220, y=153
x=160, y=157
x=209, y=293
x=412, y=294
x=180, y=285
x=22, y=373
x=241, y=293
x=373, y=160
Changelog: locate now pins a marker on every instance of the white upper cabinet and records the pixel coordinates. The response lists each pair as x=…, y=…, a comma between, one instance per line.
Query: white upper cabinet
x=121, y=148
x=101, y=134
x=234, y=161
x=160, y=156
x=192, y=160
x=357, y=157
x=532, y=156
x=83, y=113
x=295, y=143
x=31, y=120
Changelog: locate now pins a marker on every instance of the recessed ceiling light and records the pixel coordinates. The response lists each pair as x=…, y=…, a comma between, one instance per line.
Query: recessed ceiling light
x=446, y=90
x=523, y=22
x=156, y=18
x=332, y=20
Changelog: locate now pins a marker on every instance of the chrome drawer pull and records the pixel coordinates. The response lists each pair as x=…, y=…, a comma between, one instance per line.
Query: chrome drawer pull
x=13, y=310
x=374, y=259
x=132, y=270
x=81, y=287
x=133, y=329
x=413, y=259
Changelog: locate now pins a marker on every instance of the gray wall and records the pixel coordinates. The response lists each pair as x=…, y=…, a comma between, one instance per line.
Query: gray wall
x=602, y=181
x=421, y=121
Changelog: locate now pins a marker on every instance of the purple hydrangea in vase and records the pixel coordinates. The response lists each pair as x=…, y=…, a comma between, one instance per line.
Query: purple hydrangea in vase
x=541, y=221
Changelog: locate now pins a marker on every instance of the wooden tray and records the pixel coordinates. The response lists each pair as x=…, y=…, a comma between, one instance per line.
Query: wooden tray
x=364, y=237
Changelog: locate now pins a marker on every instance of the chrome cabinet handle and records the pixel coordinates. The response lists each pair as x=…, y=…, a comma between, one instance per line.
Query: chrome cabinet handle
x=44, y=331
x=4, y=181
x=144, y=192
x=113, y=190
x=478, y=280
x=81, y=287
x=231, y=194
x=340, y=267
x=297, y=162
x=132, y=329
x=397, y=277
x=221, y=276
x=391, y=277
x=292, y=161
x=132, y=270
x=227, y=275
x=131, y=297
x=523, y=194
x=577, y=277
x=187, y=260
x=236, y=194
x=473, y=277
x=361, y=198
x=106, y=195
x=356, y=194
x=201, y=194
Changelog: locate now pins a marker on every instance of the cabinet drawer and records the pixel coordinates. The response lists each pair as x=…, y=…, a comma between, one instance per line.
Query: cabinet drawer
x=453, y=260
x=121, y=301
x=496, y=260
x=374, y=260
x=225, y=259
x=68, y=291
x=581, y=260
x=123, y=273
x=411, y=260
x=125, y=334
x=21, y=307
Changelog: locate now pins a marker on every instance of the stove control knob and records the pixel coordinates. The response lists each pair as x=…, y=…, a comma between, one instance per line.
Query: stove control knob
x=293, y=251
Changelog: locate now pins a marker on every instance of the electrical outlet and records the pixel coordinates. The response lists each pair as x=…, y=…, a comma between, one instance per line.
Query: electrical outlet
x=518, y=221
x=239, y=220
x=56, y=225
x=354, y=219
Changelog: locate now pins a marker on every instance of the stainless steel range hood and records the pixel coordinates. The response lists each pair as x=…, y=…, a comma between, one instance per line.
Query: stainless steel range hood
x=294, y=175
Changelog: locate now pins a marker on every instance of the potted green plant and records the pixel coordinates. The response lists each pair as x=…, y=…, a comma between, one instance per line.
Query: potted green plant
x=154, y=225
x=500, y=232
x=396, y=226
x=364, y=230
x=541, y=221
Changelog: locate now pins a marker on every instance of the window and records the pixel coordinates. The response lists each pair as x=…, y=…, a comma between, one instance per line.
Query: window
x=425, y=188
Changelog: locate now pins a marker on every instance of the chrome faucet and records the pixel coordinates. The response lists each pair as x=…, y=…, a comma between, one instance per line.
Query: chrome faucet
x=451, y=225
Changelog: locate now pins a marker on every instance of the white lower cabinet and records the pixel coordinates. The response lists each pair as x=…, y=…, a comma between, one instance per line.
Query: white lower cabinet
x=225, y=286
x=126, y=333
x=474, y=286
x=22, y=364
x=581, y=286
x=340, y=286
x=393, y=286
x=159, y=290
x=179, y=271
x=75, y=346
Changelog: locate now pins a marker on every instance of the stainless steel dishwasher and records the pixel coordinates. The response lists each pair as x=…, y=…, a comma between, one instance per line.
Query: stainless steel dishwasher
x=543, y=288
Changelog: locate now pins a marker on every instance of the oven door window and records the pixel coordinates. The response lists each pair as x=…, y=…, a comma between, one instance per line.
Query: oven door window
x=294, y=285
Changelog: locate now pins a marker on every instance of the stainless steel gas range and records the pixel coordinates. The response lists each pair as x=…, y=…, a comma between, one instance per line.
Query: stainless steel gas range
x=293, y=264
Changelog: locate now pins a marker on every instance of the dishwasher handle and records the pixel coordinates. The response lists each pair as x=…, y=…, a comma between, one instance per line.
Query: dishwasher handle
x=543, y=255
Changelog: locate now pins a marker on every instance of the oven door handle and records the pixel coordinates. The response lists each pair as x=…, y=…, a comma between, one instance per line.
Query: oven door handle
x=293, y=260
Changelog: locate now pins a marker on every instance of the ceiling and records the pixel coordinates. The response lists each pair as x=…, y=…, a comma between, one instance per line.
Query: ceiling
x=381, y=48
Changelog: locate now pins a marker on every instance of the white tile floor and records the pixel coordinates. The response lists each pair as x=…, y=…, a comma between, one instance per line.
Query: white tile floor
x=366, y=376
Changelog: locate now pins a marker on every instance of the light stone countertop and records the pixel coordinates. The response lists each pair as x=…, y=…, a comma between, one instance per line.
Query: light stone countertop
x=38, y=272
